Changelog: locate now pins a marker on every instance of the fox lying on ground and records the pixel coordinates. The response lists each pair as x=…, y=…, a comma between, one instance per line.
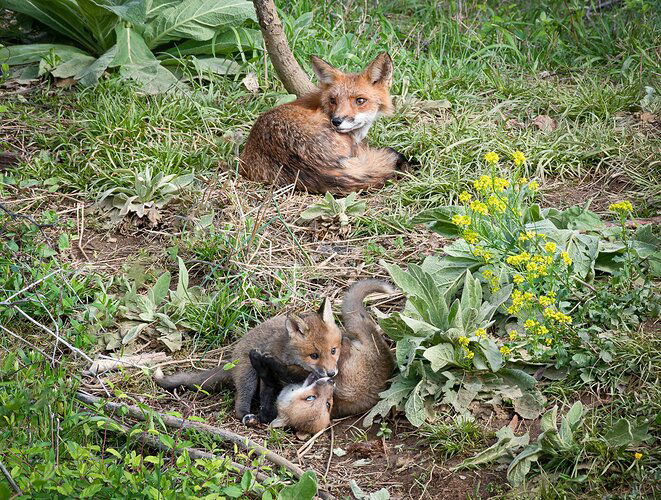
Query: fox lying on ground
x=364, y=367
x=316, y=140
x=308, y=344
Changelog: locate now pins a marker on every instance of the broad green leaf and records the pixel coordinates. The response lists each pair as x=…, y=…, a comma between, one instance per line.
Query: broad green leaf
x=520, y=466
x=153, y=79
x=304, y=489
x=582, y=249
x=506, y=442
x=393, y=396
x=359, y=494
x=72, y=66
x=131, y=48
x=518, y=378
x=65, y=17
x=25, y=54
x=576, y=217
x=439, y=220
x=549, y=420
x=160, y=289
x=623, y=433
x=182, y=281
x=466, y=395
x=134, y=11
x=225, y=43
x=197, y=20
x=216, y=66
x=90, y=75
x=415, y=407
x=440, y=356
x=491, y=352
x=530, y=405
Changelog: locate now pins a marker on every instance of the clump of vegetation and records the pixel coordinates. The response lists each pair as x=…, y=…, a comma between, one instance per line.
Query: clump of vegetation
x=142, y=39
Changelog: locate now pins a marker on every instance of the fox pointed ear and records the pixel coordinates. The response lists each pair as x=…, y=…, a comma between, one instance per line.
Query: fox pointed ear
x=325, y=73
x=326, y=312
x=295, y=325
x=380, y=70
x=278, y=422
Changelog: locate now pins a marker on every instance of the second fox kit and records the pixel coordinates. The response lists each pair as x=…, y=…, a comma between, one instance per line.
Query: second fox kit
x=364, y=367
x=305, y=344
x=316, y=140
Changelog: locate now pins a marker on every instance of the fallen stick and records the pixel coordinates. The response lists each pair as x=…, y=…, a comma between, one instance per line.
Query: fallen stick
x=181, y=423
x=9, y=479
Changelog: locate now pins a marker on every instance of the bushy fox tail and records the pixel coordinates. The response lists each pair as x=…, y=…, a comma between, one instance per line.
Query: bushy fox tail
x=209, y=380
x=355, y=317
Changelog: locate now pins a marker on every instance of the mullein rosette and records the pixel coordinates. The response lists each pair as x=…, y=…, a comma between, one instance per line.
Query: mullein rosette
x=494, y=221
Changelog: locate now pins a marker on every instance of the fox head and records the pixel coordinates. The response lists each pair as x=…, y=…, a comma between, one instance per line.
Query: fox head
x=315, y=341
x=354, y=101
x=306, y=407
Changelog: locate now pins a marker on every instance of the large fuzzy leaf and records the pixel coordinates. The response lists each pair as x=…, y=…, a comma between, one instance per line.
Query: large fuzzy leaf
x=393, y=396
x=89, y=75
x=26, y=54
x=134, y=11
x=197, y=20
x=63, y=16
x=131, y=48
x=224, y=43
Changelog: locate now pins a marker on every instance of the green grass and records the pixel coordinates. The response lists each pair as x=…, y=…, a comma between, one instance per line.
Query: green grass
x=496, y=63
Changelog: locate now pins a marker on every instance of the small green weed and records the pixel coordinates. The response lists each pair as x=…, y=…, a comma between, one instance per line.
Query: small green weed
x=456, y=438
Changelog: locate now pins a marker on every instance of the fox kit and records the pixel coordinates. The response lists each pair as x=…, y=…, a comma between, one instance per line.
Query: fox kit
x=364, y=368
x=316, y=140
x=305, y=407
x=305, y=344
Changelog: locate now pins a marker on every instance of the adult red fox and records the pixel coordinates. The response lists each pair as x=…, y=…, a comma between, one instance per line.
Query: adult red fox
x=316, y=140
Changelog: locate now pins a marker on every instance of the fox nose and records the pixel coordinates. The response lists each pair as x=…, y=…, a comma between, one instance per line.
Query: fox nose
x=336, y=121
x=324, y=381
x=331, y=373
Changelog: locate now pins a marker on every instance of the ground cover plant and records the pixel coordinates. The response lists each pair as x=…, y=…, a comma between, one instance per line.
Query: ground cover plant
x=526, y=248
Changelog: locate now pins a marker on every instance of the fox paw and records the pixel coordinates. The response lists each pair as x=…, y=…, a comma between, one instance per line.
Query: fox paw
x=250, y=420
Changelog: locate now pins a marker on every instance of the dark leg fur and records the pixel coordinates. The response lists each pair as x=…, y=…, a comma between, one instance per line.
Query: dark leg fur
x=273, y=376
x=403, y=164
x=246, y=386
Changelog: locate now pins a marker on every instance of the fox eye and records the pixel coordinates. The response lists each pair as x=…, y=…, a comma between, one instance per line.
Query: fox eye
x=333, y=101
x=314, y=355
x=360, y=101
x=333, y=350
x=328, y=405
x=311, y=398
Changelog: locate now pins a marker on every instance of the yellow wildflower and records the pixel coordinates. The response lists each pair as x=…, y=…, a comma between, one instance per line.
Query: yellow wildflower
x=461, y=220
x=522, y=180
x=479, y=207
x=621, y=207
x=516, y=260
x=637, y=455
x=566, y=258
x=550, y=247
x=465, y=197
x=505, y=351
x=500, y=184
x=513, y=334
x=471, y=237
x=557, y=315
x=496, y=204
x=484, y=183
x=546, y=301
x=519, y=158
x=463, y=341
x=548, y=341
x=542, y=330
x=530, y=324
x=469, y=354
x=481, y=332
x=528, y=235
x=518, y=279
x=491, y=157
x=533, y=186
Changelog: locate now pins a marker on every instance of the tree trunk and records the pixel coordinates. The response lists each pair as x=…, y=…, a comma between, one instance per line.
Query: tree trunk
x=295, y=80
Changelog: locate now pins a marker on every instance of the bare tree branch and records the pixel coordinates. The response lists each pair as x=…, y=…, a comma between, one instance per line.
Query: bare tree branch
x=295, y=80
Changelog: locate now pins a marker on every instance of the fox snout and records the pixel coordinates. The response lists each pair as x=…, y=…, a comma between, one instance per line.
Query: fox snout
x=325, y=381
x=323, y=373
x=337, y=121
